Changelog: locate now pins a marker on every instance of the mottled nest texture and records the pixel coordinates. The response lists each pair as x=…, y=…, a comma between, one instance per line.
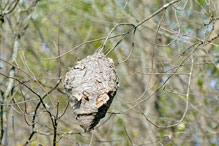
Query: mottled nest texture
x=91, y=86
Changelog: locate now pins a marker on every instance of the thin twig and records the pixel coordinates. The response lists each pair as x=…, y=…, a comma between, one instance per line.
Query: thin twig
x=108, y=37
x=160, y=87
x=2, y=114
x=187, y=101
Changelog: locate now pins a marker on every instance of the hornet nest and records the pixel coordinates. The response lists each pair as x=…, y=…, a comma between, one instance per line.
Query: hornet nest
x=91, y=86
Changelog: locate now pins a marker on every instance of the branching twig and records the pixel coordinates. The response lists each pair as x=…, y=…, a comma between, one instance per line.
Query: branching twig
x=187, y=101
x=123, y=34
x=160, y=87
x=2, y=114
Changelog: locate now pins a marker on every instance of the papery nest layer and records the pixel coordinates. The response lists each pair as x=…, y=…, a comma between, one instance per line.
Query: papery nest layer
x=91, y=86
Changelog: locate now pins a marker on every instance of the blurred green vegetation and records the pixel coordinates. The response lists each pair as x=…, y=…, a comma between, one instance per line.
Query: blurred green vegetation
x=161, y=45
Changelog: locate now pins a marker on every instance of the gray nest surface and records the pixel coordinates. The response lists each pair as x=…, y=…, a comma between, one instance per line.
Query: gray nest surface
x=91, y=86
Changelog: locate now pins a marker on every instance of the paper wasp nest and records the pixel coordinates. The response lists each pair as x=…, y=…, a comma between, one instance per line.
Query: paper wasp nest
x=91, y=86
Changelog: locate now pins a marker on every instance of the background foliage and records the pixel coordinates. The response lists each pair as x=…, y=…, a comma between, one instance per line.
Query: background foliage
x=167, y=65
